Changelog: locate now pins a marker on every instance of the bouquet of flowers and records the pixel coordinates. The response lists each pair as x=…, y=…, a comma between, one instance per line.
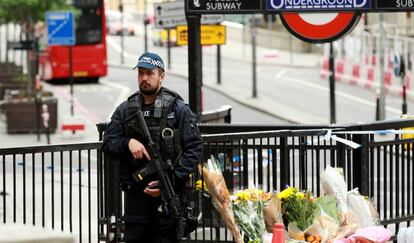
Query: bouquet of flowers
x=299, y=209
x=248, y=211
x=220, y=195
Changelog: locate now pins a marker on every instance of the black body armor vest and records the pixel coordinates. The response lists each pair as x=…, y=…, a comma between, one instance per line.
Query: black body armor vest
x=167, y=138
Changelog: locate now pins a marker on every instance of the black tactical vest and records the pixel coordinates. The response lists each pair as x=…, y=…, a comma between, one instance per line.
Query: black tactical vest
x=166, y=138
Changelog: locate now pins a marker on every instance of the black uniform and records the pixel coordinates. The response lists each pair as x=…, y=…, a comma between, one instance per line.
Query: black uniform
x=143, y=221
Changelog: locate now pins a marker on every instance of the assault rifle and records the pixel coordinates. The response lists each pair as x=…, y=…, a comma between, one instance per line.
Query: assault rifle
x=171, y=201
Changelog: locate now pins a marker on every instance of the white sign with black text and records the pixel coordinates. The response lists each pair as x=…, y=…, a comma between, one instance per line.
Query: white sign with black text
x=172, y=14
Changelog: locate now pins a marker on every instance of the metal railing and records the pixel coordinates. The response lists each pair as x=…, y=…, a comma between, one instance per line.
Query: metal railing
x=57, y=187
x=75, y=187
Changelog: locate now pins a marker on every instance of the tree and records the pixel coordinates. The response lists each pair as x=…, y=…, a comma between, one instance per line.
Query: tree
x=27, y=13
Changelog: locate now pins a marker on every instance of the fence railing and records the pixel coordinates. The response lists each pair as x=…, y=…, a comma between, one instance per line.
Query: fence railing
x=382, y=167
x=75, y=188
x=58, y=187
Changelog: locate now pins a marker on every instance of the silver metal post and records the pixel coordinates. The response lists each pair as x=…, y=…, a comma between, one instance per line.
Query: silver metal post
x=381, y=67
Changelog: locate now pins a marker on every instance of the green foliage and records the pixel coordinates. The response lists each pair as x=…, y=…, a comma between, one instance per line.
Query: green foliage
x=28, y=12
x=298, y=207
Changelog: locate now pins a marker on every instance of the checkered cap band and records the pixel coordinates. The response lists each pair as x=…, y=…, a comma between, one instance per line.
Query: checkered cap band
x=153, y=62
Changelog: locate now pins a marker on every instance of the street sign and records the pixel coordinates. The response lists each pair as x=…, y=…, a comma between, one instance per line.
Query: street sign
x=172, y=14
x=60, y=28
x=223, y=6
x=172, y=22
x=20, y=45
x=210, y=35
x=321, y=27
x=169, y=9
x=317, y=5
x=396, y=5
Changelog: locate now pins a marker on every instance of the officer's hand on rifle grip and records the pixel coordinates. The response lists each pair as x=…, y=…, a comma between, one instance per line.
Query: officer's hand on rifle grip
x=152, y=189
x=137, y=149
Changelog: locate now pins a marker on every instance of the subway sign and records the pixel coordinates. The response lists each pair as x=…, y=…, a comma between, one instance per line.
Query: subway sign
x=395, y=5
x=318, y=5
x=299, y=6
x=224, y=6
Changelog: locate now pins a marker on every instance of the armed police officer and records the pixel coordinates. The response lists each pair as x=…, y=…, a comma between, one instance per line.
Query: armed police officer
x=173, y=129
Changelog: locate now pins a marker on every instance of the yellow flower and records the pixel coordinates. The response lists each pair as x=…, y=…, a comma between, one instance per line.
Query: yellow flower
x=300, y=195
x=286, y=193
x=243, y=195
x=199, y=186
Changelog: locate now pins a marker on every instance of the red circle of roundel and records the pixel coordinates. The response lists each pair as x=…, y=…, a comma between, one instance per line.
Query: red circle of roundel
x=336, y=28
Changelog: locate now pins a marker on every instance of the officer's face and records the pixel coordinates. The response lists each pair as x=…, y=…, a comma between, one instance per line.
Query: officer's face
x=150, y=80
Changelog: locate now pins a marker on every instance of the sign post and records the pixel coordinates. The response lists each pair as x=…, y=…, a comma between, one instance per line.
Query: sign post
x=399, y=71
x=195, y=69
x=61, y=32
x=332, y=84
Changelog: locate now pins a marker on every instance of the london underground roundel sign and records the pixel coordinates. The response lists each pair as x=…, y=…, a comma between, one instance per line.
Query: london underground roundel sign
x=320, y=27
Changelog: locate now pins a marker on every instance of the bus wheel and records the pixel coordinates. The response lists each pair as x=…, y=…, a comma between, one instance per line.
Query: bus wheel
x=94, y=80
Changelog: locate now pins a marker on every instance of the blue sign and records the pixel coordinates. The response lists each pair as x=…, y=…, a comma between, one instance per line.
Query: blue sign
x=60, y=28
x=317, y=5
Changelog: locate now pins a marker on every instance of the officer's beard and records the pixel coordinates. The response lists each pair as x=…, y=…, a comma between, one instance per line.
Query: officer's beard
x=150, y=91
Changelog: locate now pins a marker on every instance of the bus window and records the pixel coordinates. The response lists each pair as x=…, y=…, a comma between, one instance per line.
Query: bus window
x=89, y=27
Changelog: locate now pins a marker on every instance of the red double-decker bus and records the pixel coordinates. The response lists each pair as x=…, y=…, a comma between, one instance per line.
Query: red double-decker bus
x=89, y=61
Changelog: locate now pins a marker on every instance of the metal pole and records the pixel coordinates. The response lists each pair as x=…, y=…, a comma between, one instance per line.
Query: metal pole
x=146, y=22
x=218, y=64
x=121, y=9
x=332, y=83
x=194, y=60
x=71, y=80
x=254, y=30
x=7, y=39
x=169, y=48
x=269, y=28
x=244, y=34
x=38, y=98
x=404, y=104
x=1, y=43
x=38, y=114
x=381, y=67
x=291, y=49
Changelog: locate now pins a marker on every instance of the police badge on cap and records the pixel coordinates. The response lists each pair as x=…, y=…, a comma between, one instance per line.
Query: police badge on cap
x=150, y=60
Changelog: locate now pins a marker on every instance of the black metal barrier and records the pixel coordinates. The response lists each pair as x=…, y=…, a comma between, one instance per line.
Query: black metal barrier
x=85, y=199
x=57, y=187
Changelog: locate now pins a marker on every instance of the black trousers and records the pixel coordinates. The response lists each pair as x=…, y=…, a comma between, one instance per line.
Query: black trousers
x=144, y=223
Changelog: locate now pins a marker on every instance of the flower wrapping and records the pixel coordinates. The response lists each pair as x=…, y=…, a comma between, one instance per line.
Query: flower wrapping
x=220, y=195
x=272, y=212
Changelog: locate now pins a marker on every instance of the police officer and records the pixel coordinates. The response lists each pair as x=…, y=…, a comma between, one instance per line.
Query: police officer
x=173, y=128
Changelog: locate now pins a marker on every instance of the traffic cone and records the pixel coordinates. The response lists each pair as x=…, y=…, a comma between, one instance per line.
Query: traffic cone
x=278, y=233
